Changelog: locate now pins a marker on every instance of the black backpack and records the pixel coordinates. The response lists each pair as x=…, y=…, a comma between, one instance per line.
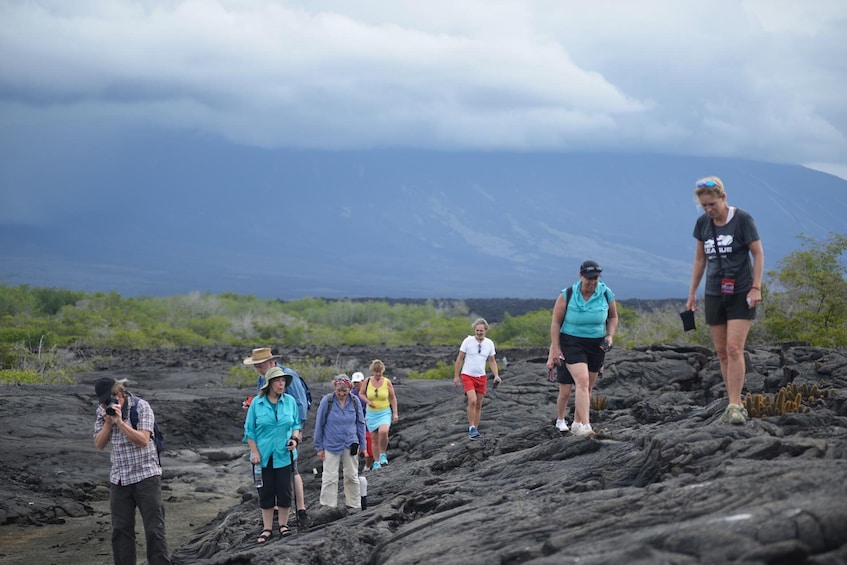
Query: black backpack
x=158, y=436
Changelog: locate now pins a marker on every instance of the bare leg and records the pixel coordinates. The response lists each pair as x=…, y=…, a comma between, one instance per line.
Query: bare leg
x=473, y=413
x=283, y=516
x=298, y=488
x=592, y=378
x=579, y=372
x=719, y=339
x=562, y=401
x=268, y=519
x=736, y=337
x=478, y=409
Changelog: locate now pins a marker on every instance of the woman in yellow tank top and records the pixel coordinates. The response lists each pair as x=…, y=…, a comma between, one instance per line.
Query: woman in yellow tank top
x=382, y=410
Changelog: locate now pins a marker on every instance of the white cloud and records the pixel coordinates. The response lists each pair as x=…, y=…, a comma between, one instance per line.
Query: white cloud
x=754, y=79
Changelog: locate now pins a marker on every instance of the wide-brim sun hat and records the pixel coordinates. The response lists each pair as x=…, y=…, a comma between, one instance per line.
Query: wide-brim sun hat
x=275, y=373
x=260, y=355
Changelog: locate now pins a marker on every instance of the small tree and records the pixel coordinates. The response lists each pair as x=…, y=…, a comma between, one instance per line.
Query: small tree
x=807, y=298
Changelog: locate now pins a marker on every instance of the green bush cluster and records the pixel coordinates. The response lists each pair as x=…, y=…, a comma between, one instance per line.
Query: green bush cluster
x=441, y=370
x=805, y=298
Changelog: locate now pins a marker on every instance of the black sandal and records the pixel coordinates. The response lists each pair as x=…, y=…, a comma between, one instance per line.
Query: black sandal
x=285, y=531
x=265, y=536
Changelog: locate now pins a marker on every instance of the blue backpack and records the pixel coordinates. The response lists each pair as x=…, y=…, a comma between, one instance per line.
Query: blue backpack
x=158, y=436
x=308, y=393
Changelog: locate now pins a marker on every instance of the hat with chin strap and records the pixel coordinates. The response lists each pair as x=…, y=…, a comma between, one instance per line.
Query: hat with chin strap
x=275, y=373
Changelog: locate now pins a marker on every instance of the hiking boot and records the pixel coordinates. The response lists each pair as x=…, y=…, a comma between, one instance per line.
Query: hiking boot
x=375, y=466
x=581, y=430
x=303, y=519
x=562, y=425
x=473, y=433
x=383, y=459
x=735, y=414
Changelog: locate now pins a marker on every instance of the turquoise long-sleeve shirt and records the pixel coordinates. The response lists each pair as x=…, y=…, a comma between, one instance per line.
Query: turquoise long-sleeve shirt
x=270, y=425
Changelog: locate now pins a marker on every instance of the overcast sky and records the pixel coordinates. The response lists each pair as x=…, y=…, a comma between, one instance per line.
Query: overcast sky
x=759, y=79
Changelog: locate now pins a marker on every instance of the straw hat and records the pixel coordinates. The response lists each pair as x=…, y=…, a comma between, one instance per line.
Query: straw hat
x=260, y=355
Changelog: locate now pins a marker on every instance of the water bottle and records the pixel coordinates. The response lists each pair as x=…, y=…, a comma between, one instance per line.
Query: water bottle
x=257, y=475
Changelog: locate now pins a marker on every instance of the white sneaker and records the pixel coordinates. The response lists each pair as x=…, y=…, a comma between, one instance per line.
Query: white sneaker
x=562, y=425
x=581, y=430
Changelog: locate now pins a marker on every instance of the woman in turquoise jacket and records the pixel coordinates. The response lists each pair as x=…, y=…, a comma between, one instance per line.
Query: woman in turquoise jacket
x=585, y=319
x=272, y=430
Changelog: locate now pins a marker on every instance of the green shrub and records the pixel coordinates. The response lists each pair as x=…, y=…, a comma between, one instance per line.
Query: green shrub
x=240, y=376
x=12, y=376
x=441, y=370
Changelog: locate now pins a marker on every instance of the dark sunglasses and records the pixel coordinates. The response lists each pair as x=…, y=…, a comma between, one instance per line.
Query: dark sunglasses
x=707, y=184
x=479, y=348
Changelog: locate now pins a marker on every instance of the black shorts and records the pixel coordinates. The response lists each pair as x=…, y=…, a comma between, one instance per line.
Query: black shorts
x=563, y=376
x=725, y=307
x=582, y=350
x=276, y=490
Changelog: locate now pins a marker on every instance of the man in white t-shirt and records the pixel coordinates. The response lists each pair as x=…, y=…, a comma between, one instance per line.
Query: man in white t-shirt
x=470, y=368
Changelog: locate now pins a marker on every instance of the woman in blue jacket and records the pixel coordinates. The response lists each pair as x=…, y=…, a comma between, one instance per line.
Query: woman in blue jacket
x=272, y=429
x=585, y=319
x=339, y=433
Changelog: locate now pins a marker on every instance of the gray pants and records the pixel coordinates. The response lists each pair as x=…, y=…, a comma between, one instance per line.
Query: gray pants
x=145, y=495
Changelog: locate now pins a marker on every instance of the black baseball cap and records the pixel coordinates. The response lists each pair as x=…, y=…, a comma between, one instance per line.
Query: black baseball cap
x=590, y=269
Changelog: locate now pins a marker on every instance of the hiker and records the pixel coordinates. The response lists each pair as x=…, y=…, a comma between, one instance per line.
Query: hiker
x=136, y=475
x=382, y=410
x=367, y=451
x=470, y=368
x=726, y=237
x=262, y=359
x=272, y=429
x=339, y=432
x=584, y=321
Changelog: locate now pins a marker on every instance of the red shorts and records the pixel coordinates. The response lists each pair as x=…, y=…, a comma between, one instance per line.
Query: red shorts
x=474, y=383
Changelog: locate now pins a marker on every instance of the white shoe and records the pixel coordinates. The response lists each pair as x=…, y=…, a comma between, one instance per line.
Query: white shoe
x=581, y=430
x=562, y=425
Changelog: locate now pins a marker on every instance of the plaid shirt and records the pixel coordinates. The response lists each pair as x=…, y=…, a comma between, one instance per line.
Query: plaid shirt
x=130, y=463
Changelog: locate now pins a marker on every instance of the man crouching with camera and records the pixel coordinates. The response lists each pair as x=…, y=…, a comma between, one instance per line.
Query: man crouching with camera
x=136, y=475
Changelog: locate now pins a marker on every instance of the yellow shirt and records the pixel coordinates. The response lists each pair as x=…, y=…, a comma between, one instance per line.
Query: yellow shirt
x=379, y=396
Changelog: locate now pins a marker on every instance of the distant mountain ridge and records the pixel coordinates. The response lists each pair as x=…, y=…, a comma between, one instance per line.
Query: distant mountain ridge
x=169, y=218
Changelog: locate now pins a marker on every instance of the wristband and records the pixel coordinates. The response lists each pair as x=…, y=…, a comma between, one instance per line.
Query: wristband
x=757, y=287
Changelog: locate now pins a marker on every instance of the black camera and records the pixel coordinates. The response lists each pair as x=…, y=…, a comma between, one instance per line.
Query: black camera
x=109, y=410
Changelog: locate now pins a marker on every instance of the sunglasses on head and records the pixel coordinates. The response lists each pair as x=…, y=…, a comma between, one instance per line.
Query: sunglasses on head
x=707, y=184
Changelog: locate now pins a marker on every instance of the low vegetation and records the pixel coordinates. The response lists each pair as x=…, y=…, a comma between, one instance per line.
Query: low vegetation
x=805, y=300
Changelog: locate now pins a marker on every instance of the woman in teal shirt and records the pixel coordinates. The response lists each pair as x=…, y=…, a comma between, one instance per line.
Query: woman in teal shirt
x=585, y=318
x=272, y=430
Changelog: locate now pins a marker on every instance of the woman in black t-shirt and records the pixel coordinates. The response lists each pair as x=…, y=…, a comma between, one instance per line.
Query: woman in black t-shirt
x=726, y=238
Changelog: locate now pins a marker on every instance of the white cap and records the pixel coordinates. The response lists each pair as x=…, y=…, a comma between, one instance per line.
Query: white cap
x=358, y=377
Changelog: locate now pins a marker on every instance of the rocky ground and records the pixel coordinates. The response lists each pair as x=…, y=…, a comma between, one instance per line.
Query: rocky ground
x=662, y=482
